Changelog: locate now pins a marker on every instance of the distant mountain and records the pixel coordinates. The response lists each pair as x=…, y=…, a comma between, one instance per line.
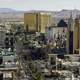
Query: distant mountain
x=60, y=14
x=8, y=13
x=11, y=14
x=7, y=10
x=66, y=13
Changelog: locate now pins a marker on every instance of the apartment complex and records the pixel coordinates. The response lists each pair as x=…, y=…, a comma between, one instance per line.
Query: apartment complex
x=37, y=21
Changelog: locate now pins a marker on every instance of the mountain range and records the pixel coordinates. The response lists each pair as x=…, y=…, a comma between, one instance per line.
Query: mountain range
x=8, y=10
x=11, y=13
x=66, y=13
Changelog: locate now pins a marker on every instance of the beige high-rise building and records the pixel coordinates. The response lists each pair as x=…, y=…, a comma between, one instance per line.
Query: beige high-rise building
x=77, y=34
x=37, y=21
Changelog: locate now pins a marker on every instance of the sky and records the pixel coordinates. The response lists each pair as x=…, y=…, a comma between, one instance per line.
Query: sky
x=49, y=5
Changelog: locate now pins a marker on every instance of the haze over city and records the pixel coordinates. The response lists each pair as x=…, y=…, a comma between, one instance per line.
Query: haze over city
x=39, y=39
x=53, y=5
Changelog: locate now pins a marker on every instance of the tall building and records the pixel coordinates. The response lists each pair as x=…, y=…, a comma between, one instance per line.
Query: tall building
x=77, y=34
x=59, y=38
x=74, y=34
x=37, y=21
x=2, y=35
x=71, y=34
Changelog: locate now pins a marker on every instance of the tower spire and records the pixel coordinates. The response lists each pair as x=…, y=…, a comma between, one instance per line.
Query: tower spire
x=71, y=15
x=71, y=22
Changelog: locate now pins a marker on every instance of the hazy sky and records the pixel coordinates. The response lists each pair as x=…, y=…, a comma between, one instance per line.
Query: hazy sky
x=40, y=4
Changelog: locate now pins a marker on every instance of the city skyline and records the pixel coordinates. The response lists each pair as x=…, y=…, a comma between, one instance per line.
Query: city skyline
x=52, y=5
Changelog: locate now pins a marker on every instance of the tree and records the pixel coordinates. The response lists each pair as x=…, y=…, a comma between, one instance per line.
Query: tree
x=36, y=74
